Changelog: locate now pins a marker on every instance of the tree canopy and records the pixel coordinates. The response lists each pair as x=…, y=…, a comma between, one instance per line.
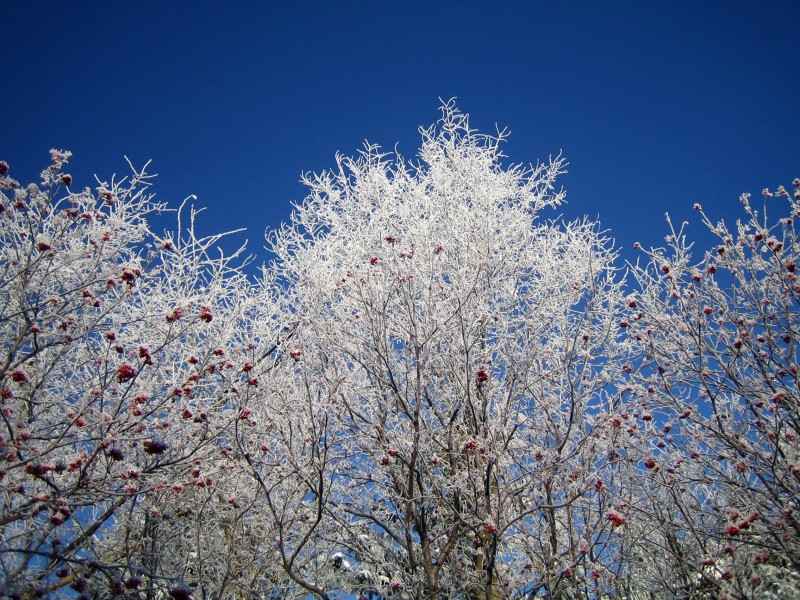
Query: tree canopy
x=433, y=390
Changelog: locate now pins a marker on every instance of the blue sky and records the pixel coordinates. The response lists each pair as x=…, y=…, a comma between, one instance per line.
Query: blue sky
x=656, y=105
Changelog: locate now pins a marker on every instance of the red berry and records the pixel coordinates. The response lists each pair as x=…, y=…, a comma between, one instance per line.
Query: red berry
x=18, y=376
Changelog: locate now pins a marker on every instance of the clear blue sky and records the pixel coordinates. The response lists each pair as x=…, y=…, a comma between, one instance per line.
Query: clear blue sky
x=656, y=105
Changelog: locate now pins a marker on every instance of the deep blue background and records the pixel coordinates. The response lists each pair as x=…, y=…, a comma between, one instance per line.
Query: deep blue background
x=656, y=105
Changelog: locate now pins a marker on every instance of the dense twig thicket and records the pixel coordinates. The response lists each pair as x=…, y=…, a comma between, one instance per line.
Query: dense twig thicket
x=431, y=392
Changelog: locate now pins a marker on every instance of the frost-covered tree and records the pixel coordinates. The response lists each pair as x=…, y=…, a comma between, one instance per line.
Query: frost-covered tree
x=457, y=362
x=720, y=485
x=121, y=355
x=431, y=392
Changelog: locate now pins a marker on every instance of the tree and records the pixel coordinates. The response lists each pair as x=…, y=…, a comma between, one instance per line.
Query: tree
x=430, y=392
x=121, y=353
x=720, y=374
x=456, y=367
